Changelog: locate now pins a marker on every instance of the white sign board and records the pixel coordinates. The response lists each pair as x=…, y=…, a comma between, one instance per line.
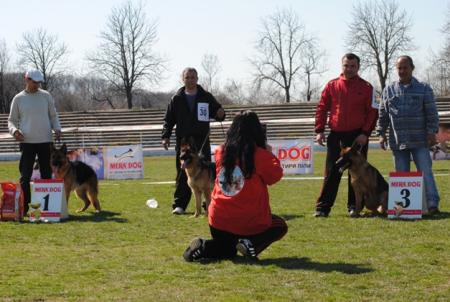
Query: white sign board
x=296, y=156
x=123, y=162
x=49, y=197
x=406, y=195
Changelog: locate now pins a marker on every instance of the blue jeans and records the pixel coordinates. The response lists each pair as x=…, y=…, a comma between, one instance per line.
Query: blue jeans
x=422, y=159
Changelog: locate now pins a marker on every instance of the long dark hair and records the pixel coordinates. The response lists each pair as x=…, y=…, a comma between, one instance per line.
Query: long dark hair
x=244, y=135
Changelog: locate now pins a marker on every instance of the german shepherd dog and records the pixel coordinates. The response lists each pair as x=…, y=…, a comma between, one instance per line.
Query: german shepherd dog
x=371, y=190
x=77, y=176
x=200, y=174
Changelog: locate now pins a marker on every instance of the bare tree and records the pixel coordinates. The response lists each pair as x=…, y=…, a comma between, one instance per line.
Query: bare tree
x=43, y=51
x=312, y=65
x=125, y=56
x=211, y=68
x=280, y=47
x=438, y=73
x=99, y=91
x=235, y=91
x=444, y=58
x=379, y=32
x=4, y=60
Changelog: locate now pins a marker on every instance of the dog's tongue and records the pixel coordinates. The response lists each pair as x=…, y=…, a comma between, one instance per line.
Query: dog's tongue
x=183, y=165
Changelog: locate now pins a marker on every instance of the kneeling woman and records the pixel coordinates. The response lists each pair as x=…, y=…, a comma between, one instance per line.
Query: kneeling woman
x=239, y=216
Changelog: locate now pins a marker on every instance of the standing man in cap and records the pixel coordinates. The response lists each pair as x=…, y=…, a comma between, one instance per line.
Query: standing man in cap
x=190, y=109
x=31, y=120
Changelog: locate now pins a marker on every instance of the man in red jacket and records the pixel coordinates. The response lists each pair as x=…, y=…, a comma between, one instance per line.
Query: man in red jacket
x=349, y=101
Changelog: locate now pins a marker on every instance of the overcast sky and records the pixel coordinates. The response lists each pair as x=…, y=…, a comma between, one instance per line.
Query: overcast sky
x=189, y=29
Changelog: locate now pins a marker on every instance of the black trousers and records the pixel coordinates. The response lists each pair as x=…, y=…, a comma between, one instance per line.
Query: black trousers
x=183, y=193
x=27, y=159
x=332, y=177
x=223, y=244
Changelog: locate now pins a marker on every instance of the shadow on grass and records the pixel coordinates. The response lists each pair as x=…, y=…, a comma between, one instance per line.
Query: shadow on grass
x=305, y=263
x=98, y=217
x=441, y=215
x=288, y=217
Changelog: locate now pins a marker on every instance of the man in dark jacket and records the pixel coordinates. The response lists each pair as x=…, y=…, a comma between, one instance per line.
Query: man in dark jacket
x=190, y=109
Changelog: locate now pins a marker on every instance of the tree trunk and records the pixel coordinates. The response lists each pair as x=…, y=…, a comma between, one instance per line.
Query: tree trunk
x=308, y=89
x=287, y=96
x=3, y=107
x=129, y=99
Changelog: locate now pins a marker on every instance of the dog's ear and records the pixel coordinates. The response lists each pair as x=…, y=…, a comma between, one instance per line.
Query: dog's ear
x=192, y=144
x=355, y=146
x=64, y=148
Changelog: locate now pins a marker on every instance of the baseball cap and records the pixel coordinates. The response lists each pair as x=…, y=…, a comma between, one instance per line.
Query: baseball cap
x=35, y=75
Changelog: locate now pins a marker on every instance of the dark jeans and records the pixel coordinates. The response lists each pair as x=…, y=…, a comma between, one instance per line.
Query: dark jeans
x=332, y=176
x=223, y=244
x=183, y=193
x=27, y=159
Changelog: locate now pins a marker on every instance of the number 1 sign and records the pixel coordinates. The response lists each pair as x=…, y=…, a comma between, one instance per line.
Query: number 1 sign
x=49, y=199
x=406, y=195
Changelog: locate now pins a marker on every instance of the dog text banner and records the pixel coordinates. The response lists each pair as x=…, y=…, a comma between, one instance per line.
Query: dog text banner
x=296, y=156
x=124, y=162
x=48, y=200
x=406, y=195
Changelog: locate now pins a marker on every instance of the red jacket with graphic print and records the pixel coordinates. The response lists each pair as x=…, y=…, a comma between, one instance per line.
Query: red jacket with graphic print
x=248, y=211
x=349, y=102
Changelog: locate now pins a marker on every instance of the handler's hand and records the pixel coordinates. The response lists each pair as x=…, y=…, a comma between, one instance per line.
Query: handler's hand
x=361, y=140
x=58, y=135
x=320, y=138
x=220, y=114
x=383, y=142
x=166, y=143
x=18, y=136
x=431, y=137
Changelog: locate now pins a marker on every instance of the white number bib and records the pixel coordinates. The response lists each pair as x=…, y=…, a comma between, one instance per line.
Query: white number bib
x=203, y=112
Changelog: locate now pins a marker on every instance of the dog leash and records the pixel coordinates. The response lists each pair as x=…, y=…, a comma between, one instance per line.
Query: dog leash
x=204, y=141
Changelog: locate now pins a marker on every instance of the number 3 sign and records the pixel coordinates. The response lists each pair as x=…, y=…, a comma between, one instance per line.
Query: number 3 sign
x=49, y=193
x=406, y=195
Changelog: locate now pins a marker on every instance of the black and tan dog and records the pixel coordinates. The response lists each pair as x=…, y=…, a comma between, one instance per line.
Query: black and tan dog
x=77, y=176
x=200, y=174
x=371, y=190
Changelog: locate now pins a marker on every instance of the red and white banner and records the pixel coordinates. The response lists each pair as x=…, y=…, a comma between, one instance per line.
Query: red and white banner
x=48, y=200
x=296, y=156
x=406, y=195
x=123, y=162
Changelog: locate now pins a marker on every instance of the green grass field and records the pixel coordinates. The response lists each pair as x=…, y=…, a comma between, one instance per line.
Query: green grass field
x=133, y=253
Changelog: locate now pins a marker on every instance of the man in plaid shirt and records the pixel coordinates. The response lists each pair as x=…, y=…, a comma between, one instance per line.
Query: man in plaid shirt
x=408, y=109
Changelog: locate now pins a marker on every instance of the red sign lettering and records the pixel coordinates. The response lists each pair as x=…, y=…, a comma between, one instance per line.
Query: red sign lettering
x=295, y=153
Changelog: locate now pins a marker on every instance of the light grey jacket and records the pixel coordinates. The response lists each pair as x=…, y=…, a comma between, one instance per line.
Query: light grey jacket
x=34, y=115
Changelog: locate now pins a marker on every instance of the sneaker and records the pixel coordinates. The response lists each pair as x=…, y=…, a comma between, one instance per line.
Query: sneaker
x=352, y=213
x=178, y=211
x=194, y=251
x=320, y=214
x=246, y=248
